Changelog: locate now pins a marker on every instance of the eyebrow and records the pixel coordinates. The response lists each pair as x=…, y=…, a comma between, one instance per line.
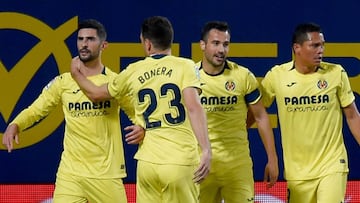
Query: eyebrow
x=87, y=37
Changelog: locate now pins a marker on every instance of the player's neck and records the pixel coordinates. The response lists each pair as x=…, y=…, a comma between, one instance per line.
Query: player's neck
x=305, y=69
x=93, y=68
x=159, y=52
x=210, y=69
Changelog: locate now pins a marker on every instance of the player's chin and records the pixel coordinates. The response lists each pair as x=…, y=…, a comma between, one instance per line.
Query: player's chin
x=317, y=61
x=84, y=58
x=218, y=62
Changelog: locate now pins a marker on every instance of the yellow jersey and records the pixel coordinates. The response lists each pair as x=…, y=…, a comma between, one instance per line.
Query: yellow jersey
x=310, y=115
x=156, y=85
x=93, y=144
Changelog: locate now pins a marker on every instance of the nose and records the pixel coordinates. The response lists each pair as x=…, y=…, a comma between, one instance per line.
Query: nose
x=83, y=43
x=221, y=48
x=321, y=49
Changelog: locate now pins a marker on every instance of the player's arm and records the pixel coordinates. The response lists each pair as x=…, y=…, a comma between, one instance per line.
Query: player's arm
x=265, y=87
x=93, y=92
x=250, y=120
x=37, y=111
x=11, y=133
x=135, y=134
x=199, y=125
x=266, y=133
x=353, y=120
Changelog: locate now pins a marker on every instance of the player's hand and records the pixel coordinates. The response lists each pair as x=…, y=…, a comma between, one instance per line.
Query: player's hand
x=135, y=135
x=75, y=67
x=204, y=167
x=271, y=174
x=11, y=134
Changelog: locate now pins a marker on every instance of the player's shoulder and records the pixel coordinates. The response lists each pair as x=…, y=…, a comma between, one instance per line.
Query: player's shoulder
x=63, y=77
x=283, y=67
x=180, y=59
x=109, y=72
x=327, y=66
x=59, y=80
x=236, y=67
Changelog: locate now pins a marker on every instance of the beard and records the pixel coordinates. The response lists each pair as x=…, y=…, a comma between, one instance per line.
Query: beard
x=88, y=56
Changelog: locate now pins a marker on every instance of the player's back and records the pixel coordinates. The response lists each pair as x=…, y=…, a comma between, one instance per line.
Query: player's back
x=157, y=83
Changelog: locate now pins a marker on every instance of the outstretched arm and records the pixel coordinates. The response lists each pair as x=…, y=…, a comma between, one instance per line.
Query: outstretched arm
x=199, y=125
x=93, y=92
x=353, y=120
x=266, y=133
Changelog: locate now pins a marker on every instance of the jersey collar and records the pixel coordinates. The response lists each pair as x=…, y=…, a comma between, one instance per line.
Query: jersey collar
x=293, y=67
x=226, y=66
x=158, y=56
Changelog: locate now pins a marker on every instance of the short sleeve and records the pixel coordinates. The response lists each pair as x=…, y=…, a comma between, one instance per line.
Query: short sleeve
x=267, y=89
x=345, y=94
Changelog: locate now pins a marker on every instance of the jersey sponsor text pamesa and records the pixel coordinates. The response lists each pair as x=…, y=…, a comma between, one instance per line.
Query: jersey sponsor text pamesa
x=89, y=109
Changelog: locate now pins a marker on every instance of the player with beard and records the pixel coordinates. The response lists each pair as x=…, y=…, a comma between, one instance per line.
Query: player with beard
x=92, y=164
x=165, y=90
x=228, y=91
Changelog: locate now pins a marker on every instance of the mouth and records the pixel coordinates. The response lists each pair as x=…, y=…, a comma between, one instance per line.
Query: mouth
x=318, y=59
x=219, y=58
x=84, y=51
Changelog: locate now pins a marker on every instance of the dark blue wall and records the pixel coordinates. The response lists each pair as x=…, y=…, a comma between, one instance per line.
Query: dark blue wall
x=256, y=21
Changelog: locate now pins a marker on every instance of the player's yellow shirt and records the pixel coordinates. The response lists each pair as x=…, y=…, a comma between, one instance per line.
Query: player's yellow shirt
x=92, y=141
x=156, y=84
x=225, y=98
x=310, y=114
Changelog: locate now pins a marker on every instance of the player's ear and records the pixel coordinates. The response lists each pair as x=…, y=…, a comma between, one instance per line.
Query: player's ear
x=148, y=45
x=296, y=47
x=104, y=45
x=202, y=45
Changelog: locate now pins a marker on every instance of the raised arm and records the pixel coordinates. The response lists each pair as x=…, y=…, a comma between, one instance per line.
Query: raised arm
x=93, y=92
x=266, y=133
x=199, y=125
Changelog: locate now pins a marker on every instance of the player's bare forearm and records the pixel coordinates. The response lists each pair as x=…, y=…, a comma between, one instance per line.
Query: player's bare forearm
x=266, y=133
x=267, y=137
x=199, y=125
x=250, y=120
x=353, y=120
x=355, y=129
x=93, y=92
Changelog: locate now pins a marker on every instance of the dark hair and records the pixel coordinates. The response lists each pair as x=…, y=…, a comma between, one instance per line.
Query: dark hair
x=92, y=23
x=218, y=25
x=159, y=31
x=301, y=31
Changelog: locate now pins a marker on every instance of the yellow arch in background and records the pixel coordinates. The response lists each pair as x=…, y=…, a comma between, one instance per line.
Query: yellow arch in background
x=52, y=42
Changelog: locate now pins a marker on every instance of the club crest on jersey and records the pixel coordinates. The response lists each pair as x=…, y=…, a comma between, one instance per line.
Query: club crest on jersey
x=322, y=84
x=230, y=85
